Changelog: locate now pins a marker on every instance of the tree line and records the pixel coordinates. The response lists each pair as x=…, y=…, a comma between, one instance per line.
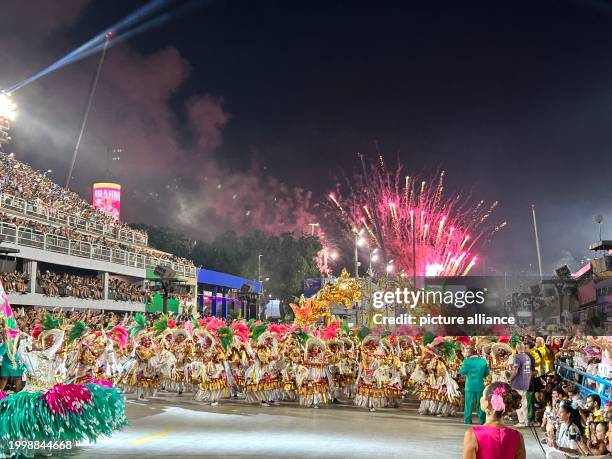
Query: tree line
x=286, y=259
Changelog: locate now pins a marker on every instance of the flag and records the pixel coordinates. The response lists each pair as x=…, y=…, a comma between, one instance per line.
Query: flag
x=11, y=329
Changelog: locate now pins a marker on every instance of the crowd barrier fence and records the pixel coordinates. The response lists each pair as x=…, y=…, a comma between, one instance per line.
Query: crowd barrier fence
x=587, y=383
x=31, y=208
x=50, y=242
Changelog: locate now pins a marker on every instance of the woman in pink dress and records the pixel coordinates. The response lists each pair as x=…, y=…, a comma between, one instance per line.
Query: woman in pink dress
x=493, y=440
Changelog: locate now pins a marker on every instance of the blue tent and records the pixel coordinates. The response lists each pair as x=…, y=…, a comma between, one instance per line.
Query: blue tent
x=215, y=278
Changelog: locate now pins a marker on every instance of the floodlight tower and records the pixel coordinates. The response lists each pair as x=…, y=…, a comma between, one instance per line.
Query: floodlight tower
x=8, y=112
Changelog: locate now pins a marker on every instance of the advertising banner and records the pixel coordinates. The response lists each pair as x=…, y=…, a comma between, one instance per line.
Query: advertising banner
x=107, y=198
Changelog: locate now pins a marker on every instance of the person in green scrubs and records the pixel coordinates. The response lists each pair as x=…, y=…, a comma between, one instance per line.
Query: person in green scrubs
x=7, y=370
x=475, y=369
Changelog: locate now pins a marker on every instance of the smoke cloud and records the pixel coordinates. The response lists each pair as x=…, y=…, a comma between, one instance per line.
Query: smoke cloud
x=166, y=168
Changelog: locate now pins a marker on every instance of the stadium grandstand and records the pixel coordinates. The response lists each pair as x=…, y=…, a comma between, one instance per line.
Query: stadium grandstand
x=58, y=251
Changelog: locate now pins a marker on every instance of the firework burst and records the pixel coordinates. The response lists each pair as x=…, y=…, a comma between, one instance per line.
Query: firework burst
x=400, y=212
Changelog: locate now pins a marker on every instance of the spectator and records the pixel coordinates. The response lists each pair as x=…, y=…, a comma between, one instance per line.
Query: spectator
x=567, y=434
x=522, y=373
x=494, y=440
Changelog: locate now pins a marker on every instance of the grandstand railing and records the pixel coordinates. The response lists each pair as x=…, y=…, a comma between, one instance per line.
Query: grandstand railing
x=586, y=382
x=21, y=206
x=31, y=238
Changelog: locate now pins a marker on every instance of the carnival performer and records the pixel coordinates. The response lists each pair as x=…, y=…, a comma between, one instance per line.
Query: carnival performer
x=263, y=380
x=370, y=391
x=449, y=394
x=501, y=361
x=49, y=409
x=406, y=354
x=389, y=375
x=183, y=350
x=207, y=371
x=335, y=354
x=291, y=348
x=347, y=369
x=238, y=355
x=140, y=371
x=164, y=329
x=313, y=379
x=92, y=353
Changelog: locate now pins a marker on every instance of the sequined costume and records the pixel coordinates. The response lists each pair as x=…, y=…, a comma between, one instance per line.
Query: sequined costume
x=263, y=379
x=48, y=409
x=313, y=379
x=207, y=370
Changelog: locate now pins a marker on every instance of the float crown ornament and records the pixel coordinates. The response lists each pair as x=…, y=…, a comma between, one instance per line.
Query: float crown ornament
x=345, y=291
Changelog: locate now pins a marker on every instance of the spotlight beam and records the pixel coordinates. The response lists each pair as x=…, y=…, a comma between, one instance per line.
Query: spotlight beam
x=90, y=96
x=137, y=22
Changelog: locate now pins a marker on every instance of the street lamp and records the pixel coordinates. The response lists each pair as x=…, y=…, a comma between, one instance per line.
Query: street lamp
x=259, y=268
x=359, y=241
x=260, y=284
x=312, y=228
x=373, y=258
x=389, y=267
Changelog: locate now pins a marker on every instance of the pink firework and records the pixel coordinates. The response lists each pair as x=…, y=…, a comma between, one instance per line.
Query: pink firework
x=446, y=229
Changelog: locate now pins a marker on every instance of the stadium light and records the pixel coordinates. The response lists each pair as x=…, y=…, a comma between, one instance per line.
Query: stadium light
x=8, y=109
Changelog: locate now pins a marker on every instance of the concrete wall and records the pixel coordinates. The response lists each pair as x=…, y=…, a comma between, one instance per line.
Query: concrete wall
x=30, y=253
x=38, y=299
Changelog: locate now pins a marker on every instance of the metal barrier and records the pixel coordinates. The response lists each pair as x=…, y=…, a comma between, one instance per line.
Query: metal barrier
x=22, y=206
x=53, y=243
x=585, y=382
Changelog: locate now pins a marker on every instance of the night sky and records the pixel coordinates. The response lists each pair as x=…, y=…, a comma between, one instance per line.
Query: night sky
x=251, y=99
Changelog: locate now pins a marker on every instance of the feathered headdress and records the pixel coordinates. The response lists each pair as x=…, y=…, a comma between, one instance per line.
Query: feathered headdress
x=257, y=330
x=428, y=338
x=77, y=330
x=214, y=324
x=160, y=325
x=449, y=348
x=362, y=333
x=300, y=335
x=241, y=330
x=139, y=325
x=226, y=337
x=49, y=323
x=278, y=329
x=120, y=335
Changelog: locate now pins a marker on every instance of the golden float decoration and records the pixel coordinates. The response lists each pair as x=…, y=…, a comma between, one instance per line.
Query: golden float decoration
x=344, y=291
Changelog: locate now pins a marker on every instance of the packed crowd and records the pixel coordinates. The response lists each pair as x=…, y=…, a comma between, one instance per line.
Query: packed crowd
x=122, y=290
x=74, y=235
x=14, y=281
x=20, y=180
x=85, y=287
x=64, y=284
x=64, y=232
